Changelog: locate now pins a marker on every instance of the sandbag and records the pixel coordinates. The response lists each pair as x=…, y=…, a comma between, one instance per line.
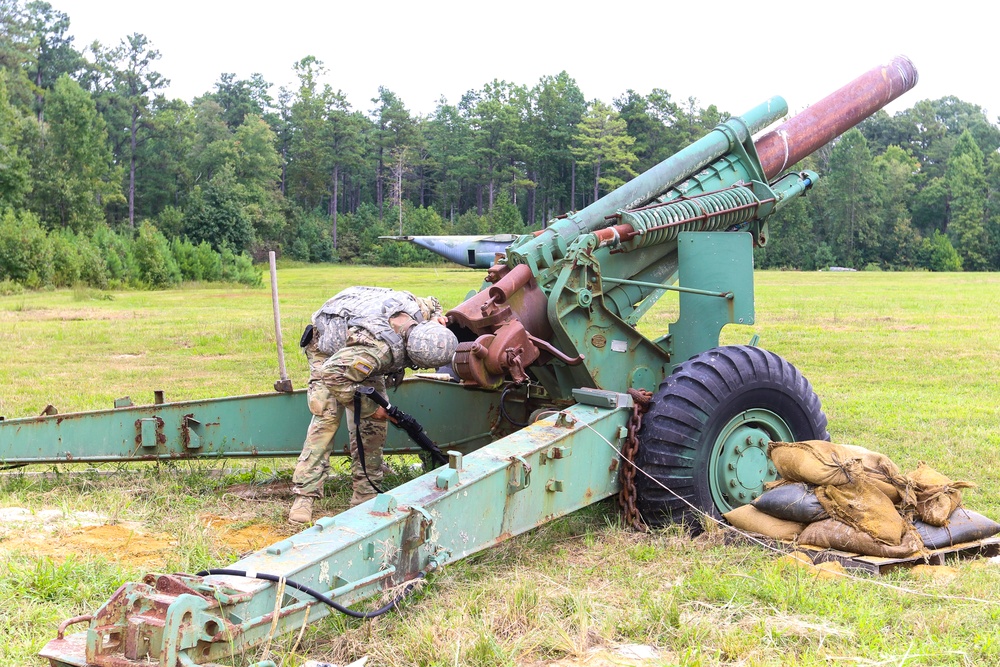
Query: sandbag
x=810, y=461
x=862, y=505
x=753, y=520
x=822, y=463
x=963, y=526
x=936, y=497
x=794, y=501
x=882, y=471
x=833, y=534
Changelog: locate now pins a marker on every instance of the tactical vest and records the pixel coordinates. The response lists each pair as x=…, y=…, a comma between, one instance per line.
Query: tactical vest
x=368, y=308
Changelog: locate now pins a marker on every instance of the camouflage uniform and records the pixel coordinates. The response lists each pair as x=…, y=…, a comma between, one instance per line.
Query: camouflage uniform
x=363, y=360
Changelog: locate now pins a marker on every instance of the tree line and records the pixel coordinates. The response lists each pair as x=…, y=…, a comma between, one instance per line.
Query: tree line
x=91, y=149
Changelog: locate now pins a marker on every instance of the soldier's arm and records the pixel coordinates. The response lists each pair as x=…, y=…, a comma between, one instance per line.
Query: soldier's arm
x=432, y=310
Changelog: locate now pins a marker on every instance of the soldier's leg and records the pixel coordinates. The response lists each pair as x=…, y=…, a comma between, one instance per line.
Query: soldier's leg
x=314, y=463
x=373, y=434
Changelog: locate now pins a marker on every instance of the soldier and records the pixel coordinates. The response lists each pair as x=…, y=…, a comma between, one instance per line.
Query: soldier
x=360, y=337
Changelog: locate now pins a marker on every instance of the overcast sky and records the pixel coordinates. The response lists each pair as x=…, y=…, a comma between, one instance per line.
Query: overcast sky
x=734, y=55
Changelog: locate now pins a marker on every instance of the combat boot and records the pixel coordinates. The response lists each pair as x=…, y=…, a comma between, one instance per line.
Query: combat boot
x=302, y=510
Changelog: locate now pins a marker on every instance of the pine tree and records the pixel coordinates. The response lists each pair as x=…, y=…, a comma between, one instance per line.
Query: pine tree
x=967, y=206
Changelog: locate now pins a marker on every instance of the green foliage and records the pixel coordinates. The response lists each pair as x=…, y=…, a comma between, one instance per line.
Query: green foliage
x=967, y=186
x=941, y=254
x=66, y=261
x=15, y=175
x=89, y=142
x=74, y=175
x=239, y=269
x=156, y=264
x=93, y=266
x=170, y=221
x=25, y=250
x=308, y=238
x=853, y=199
x=603, y=144
x=791, y=243
x=217, y=215
x=823, y=257
x=10, y=288
x=118, y=256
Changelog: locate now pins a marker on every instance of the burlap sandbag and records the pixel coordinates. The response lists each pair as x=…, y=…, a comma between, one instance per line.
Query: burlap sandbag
x=882, y=471
x=833, y=534
x=935, y=496
x=822, y=463
x=963, y=526
x=754, y=521
x=810, y=461
x=862, y=505
x=794, y=501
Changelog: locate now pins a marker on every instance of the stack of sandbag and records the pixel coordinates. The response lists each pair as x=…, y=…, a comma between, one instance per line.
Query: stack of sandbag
x=852, y=499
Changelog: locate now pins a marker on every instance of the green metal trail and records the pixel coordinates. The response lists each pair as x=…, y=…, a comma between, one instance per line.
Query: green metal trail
x=550, y=468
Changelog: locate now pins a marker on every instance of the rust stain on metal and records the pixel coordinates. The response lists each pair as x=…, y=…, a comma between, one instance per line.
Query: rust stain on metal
x=506, y=535
x=834, y=114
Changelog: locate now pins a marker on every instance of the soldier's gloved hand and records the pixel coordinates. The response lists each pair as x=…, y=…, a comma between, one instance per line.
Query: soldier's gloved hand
x=381, y=415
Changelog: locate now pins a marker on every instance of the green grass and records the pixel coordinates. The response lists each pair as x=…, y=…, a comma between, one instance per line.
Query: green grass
x=905, y=363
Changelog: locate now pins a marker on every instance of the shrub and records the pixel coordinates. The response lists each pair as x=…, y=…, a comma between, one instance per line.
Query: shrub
x=184, y=253
x=66, y=262
x=9, y=288
x=93, y=268
x=119, y=258
x=209, y=262
x=941, y=254
x=25, y=251
x=157, y=266
x=239, y=269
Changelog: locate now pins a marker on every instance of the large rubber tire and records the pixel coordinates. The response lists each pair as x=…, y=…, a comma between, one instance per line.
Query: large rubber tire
x=706, y=433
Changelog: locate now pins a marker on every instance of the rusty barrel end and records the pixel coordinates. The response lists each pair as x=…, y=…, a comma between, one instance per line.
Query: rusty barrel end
x=835, y=114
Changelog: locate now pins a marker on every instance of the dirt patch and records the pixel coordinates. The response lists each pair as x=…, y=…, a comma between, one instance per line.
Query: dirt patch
x=57, y=535
x=240, y=536
x=126, y=543
x=628, y=654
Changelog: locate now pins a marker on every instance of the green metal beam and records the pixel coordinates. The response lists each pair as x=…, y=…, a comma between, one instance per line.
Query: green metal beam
x=257, y=425
x=548, y=469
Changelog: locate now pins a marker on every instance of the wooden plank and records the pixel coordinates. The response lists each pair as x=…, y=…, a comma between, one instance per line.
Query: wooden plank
x=876, y=564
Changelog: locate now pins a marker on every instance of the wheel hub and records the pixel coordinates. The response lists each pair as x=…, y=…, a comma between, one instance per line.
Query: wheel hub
x=739, y=458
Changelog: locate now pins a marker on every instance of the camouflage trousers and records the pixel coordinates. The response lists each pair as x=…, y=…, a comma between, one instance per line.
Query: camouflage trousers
x=313, y=465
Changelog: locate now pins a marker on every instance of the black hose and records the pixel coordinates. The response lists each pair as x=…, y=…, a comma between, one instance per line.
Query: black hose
x=316, y=594
x=503, y=409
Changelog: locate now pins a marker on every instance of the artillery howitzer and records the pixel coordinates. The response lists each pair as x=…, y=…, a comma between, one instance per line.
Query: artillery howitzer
x=552, y=369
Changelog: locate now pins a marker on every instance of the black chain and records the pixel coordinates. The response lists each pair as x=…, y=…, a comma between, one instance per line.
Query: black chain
x=626, y=473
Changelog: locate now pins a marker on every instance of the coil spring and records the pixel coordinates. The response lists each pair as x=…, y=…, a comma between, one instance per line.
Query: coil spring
x=710, y=212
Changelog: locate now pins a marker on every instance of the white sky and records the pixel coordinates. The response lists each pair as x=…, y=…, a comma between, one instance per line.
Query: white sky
x=732, y=54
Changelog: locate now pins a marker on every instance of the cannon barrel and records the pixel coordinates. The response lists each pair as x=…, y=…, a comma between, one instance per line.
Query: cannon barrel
x=835, y=114
x=560, y=296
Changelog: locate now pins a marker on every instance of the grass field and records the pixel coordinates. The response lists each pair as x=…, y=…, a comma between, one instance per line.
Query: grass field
x=905, y=363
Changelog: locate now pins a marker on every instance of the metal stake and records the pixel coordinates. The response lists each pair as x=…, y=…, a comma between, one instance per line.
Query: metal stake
x=283, y=384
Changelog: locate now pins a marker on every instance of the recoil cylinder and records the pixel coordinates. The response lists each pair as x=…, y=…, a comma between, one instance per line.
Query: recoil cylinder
x=713, y=211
